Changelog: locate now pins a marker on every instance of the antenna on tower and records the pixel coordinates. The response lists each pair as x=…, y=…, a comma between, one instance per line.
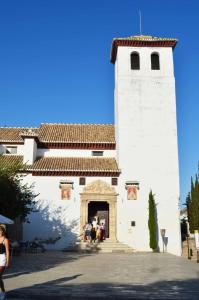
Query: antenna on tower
x=140, y=15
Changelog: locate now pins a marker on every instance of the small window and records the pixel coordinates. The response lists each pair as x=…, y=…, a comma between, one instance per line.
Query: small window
x=135, y=61
x=114, y=181
x=11, y=150
x=82, y=181
x=97, y=153
x=155, y=61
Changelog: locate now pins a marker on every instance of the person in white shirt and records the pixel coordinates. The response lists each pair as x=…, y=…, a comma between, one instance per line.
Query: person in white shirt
x=95, y=222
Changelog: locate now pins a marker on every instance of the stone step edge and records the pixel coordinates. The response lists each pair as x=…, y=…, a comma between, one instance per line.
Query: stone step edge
x=98, y=251
x=106, y=244
x=103, y=246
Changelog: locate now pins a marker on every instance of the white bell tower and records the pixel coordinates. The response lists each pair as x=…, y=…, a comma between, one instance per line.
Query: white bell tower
x=146, y=137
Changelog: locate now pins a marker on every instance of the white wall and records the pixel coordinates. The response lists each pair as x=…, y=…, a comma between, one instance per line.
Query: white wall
x=30, y=151
x=146, y=133
x=27, y=150
x=73, y=153
x=55, y=217
x=20, y=149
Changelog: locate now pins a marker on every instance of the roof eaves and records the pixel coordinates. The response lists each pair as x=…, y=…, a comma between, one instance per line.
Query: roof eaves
x=73, y=170
x=11, y=141
x=98, y=124
x=76, y=142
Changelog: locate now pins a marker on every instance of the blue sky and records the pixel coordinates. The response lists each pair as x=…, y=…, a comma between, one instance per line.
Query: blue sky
x=55, y=67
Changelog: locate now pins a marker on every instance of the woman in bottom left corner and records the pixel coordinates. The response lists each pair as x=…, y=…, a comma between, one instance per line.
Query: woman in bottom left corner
x=4, y=258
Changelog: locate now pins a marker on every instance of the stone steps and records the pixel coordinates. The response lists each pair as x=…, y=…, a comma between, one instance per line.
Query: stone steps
x=106, y=246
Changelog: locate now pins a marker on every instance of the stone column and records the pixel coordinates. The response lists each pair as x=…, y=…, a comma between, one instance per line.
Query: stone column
x=112, y=220
x=83, y=215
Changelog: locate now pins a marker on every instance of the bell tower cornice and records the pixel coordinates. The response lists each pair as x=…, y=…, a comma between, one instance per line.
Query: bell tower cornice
x=140, y=41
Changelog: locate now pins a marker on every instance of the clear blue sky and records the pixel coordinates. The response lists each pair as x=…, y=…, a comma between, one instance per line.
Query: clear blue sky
x=54, y=62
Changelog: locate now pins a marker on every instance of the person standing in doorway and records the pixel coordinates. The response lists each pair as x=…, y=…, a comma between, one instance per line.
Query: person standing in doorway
x=98, y=233
x=4, y=258
x=95, y=222
x=93, y=234
x=102, y=228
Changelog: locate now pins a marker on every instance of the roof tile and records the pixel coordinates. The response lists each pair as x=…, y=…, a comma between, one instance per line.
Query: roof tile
x=12, y=134
x=62, y=133
x=6, y=160
x=85, y=164
x=74, y=164
x=77, y=133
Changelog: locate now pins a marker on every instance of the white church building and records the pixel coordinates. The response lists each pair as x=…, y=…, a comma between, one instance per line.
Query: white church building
x=84, y=170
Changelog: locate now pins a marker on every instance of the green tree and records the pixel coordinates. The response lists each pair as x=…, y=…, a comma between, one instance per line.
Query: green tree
x=16, y=197
x=152, y=222
x=189, y=208
x=192, y=203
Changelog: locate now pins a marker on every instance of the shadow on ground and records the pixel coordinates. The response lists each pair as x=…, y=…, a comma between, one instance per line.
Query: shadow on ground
x=88, y=247
x=63, y=289
x=42, y=261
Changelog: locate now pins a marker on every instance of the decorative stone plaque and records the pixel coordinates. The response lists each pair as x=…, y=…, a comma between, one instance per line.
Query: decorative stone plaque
x=132, y=192
x=66, y=189
x=132, y=188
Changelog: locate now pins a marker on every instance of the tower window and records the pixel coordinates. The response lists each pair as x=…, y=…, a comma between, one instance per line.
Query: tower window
x=155, y=61
x=135, y=61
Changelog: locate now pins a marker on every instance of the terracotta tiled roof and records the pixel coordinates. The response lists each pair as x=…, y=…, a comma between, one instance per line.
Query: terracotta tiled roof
x=141, y=41
x=74, y=164
x=10, y=159
x=12, y=134
x=56, y=164
x=63, y=133
x=74, y=133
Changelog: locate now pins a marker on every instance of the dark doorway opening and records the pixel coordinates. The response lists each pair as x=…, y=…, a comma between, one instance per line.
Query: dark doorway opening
x=101, y=210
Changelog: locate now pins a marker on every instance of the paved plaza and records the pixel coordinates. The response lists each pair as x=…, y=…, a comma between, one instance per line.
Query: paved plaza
x=59, y=275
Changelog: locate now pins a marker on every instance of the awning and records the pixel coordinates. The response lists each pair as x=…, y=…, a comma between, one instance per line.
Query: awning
x=4, y=220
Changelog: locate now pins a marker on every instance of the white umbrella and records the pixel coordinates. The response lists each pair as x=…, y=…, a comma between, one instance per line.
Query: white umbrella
x=4, y=220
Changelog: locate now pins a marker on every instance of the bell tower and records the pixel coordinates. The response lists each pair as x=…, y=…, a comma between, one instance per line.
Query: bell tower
x=146, y=137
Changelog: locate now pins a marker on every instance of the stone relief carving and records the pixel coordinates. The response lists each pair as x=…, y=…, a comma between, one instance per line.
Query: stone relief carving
x=100, y=187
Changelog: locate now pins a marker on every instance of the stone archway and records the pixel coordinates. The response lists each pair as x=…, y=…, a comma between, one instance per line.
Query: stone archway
x=99, y=190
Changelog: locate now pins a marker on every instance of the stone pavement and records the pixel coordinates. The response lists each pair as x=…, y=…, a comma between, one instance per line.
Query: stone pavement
x=61, y=276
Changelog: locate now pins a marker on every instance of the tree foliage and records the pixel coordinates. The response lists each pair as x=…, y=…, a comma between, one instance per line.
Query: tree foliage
x=16, y=197
x=152, y=222
x=192, y=203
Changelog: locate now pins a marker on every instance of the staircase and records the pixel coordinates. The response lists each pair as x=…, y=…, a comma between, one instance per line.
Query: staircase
x=107, y=246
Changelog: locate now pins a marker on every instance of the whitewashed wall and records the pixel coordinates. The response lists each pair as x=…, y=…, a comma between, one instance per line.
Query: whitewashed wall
x=29, y=151
x=145, y=120
x=55, y=217
x=20, y=149
x=73, y=153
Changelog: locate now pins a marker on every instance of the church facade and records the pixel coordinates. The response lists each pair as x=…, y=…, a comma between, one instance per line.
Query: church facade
x=83, y=170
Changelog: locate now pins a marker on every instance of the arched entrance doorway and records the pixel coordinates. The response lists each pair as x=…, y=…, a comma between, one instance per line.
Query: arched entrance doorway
x=96, y=192
x=99, y=209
